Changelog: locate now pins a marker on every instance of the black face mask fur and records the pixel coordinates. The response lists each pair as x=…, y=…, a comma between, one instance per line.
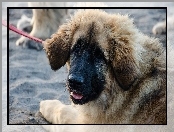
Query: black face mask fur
x=86, y=75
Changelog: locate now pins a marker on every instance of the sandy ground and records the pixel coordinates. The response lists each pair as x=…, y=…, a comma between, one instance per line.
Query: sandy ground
x=30, y=76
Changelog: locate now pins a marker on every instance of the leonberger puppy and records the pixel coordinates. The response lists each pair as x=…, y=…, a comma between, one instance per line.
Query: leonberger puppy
x=117, y=75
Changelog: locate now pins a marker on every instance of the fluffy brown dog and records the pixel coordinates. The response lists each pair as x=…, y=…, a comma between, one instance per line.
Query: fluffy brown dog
x=117, y=75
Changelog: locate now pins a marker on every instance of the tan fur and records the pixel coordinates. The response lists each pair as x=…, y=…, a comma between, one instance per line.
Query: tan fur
x=135, y=92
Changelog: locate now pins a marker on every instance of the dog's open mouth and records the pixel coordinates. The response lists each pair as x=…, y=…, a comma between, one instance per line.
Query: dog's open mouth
x=79, y=97
x=82, y=98
x=76, y=95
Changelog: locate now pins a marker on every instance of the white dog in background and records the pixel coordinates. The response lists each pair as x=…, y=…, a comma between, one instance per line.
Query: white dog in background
x=43, y=23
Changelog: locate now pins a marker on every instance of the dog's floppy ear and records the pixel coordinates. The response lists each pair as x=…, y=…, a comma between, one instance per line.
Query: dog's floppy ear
x=58, y=48
x=125, y=69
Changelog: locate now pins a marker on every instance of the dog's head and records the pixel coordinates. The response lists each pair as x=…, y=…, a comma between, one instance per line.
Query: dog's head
x=94, y=44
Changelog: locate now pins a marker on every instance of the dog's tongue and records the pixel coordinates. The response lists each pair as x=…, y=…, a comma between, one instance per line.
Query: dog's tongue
x=76, y=95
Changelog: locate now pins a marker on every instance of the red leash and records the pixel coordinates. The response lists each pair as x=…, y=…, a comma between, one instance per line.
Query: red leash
x=14, y=29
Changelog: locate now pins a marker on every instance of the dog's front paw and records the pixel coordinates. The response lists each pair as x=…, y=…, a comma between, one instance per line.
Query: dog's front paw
x=57, y=113
x=49, y=109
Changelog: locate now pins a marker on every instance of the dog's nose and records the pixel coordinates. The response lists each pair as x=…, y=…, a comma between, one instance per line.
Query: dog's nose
x=75, y=80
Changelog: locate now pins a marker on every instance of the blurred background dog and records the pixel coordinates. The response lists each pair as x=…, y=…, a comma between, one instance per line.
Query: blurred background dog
x=43, y=23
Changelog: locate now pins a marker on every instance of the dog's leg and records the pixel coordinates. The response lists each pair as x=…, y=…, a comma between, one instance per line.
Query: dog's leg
x=57, y=113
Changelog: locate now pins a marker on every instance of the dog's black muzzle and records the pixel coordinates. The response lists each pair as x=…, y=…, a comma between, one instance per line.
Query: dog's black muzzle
x=85, y=80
